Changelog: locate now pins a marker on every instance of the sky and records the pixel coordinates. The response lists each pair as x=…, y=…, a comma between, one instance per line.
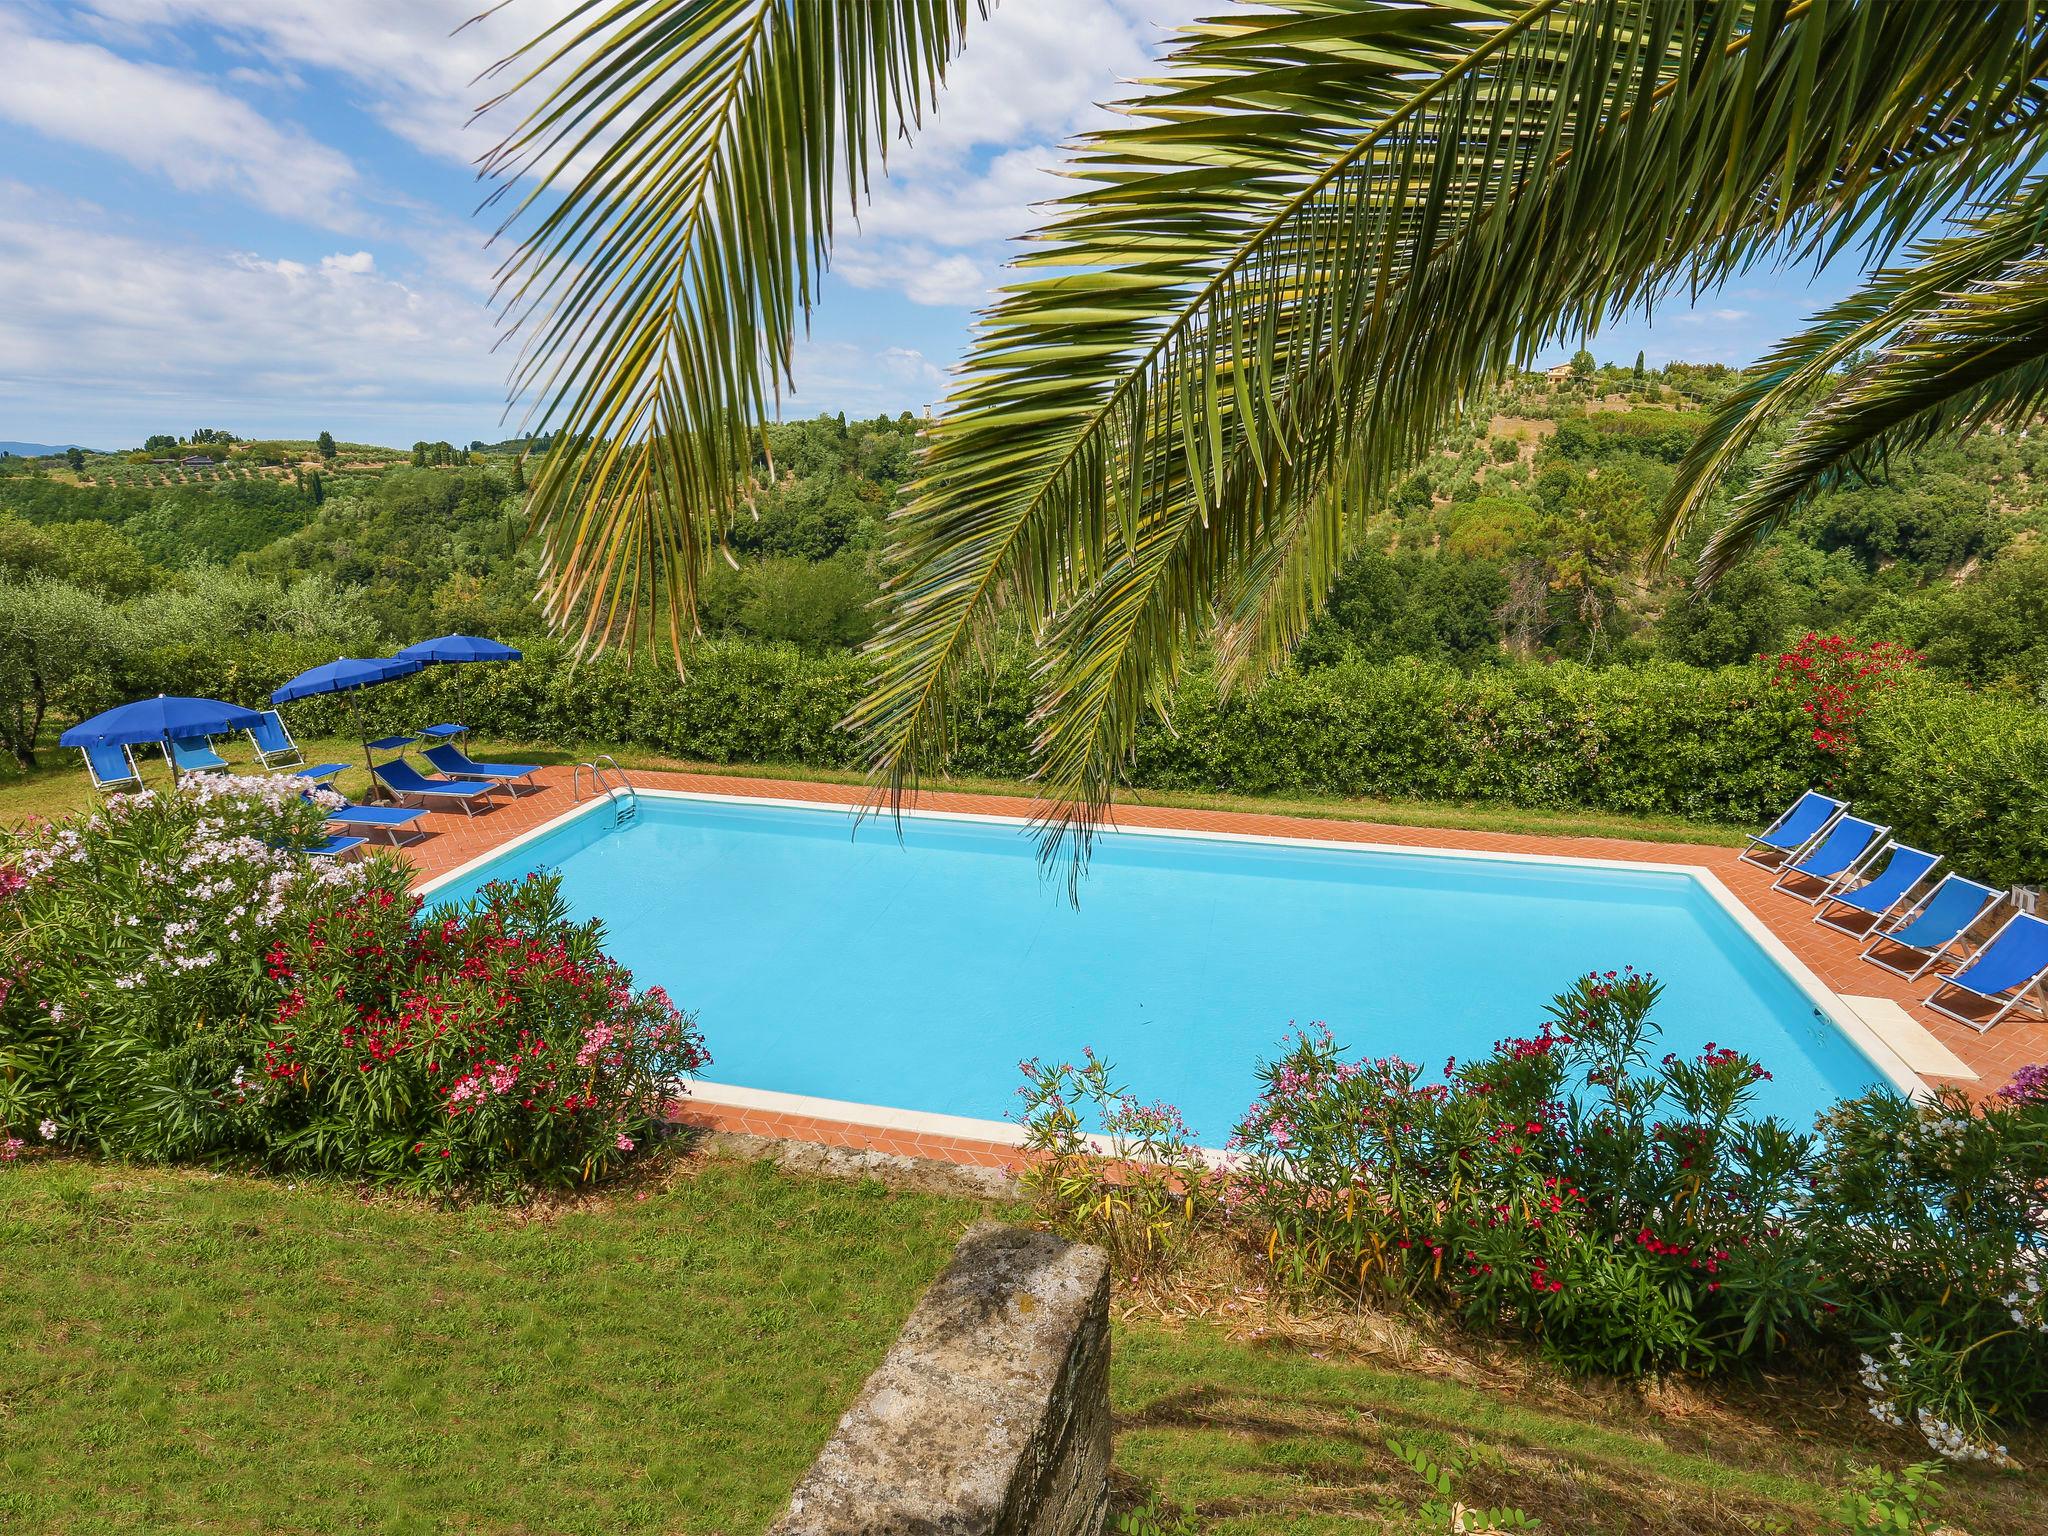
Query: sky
x=260, y=215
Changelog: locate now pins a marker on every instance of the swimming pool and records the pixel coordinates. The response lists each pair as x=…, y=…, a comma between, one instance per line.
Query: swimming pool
x=843, y=964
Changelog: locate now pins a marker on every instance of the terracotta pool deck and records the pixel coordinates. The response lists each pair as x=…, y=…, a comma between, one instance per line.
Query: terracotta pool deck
x=1834, y=958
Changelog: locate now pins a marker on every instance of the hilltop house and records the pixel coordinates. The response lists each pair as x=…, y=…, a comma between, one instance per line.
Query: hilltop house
x=196, y=461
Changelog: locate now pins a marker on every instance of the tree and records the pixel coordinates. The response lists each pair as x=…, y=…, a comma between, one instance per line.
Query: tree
x=58, y=646
x=1638, y=375
x=1583, y=364
x=326, y=445
x=75, y=459
x=161, y=442
x=1231, y=338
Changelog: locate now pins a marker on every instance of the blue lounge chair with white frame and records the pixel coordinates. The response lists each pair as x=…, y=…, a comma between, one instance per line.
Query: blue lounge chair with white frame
x=112, y=766
x=1866, y=906
x=1931, y=927
x=458, y=764
x=194, y=754
x=1800, y=824
x=2010, y=967
x=273, y=743
x=388, y=819
x=406, y=782
x=335, y=846
x=1839, y=857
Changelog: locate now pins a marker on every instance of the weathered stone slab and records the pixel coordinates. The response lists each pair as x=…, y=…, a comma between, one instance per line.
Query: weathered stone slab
x=990, y=1416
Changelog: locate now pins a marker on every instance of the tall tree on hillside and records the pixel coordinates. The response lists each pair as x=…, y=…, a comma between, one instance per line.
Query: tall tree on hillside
x=326, y=445
x=1282, y=273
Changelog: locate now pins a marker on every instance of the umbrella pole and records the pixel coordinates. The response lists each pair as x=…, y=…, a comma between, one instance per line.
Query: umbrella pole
x=170, y=763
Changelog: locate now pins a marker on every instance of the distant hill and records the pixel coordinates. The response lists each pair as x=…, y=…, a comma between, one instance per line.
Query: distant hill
x=35, y=450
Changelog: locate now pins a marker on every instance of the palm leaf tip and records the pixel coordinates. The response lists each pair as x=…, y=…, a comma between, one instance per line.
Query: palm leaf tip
x=677, y=172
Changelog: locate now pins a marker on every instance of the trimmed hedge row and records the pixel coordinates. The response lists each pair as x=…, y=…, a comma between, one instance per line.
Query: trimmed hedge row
x=1962, y=772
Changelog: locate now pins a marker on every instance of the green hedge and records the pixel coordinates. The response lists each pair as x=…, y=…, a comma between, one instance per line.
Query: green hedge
x=1961, y=772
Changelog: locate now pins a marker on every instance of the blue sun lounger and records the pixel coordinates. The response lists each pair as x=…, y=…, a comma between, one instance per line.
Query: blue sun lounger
x=2002, y=973
x=335, y=847
x=404, y=780
x=273, y=743
x=1839, y=857
x=1870, y=903
x=112, y=766
x=1803, y=821
x=458, y=764
x=377, y=818
x=195, y=754
x=1925, y=930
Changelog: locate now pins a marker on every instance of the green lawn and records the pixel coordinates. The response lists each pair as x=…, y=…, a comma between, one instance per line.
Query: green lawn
x=191, y=1352
x=60, y=784
x=1266, y=1439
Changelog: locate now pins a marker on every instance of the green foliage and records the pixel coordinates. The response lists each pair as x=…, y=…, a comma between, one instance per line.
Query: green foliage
x=1443, y=1511
x=1108, y=1169
x=61, y=649
x=1597, y=436
x=1157, y=1516
x=1935, y=1227
x=1382, y=606
x=198, y=989
x=1885, y=1503
x=1625, y=1212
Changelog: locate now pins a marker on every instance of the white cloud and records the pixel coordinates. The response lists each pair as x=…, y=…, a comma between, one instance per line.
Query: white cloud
x=165, y=123
x=352, y=264
x=1031, y=76
x=919, y=273
x=111, y=329
x=415, y=62
x=862, y=380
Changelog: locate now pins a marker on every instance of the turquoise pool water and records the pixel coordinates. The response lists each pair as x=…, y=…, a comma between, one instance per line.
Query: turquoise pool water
x=916, y=974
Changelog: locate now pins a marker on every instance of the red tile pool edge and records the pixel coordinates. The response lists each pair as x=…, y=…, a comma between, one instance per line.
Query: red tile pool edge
x=454, y=840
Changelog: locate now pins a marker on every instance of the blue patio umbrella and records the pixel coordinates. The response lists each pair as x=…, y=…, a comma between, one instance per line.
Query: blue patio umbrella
x=161, y=719
x=457, y=648
x=342, y=675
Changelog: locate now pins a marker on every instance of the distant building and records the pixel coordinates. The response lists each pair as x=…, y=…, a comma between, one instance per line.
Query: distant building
x=196, y=461
x=1559, y=373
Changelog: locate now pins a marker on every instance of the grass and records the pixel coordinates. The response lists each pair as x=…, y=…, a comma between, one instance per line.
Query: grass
x=192, y=1352
x=196, y=1352
x=60, y=784
x=1261, y=1437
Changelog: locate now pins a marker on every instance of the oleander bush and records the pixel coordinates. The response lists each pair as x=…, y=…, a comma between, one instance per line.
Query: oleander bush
x=180, y=981
x=1618, y=1205
x=1628, y=1213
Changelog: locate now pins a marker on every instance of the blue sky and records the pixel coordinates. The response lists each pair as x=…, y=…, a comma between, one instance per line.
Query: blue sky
x=257, y=214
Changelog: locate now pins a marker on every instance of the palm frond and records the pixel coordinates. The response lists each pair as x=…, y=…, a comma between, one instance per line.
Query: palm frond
x=1970, y=359
x=1329, y=224
x=1983, y=253
x=681, y=165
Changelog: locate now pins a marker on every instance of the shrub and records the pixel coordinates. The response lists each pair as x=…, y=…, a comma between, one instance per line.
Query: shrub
x=1957, y=770
x=493, y=1045
x=1137, y=1186
x=1625, y=1213
x=131, y=939
x=1930, y=1215
x=179, y=981
x=1836, y=679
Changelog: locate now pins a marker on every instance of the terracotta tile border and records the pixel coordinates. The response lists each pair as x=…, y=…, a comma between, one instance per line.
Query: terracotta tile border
x=1834, y=958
